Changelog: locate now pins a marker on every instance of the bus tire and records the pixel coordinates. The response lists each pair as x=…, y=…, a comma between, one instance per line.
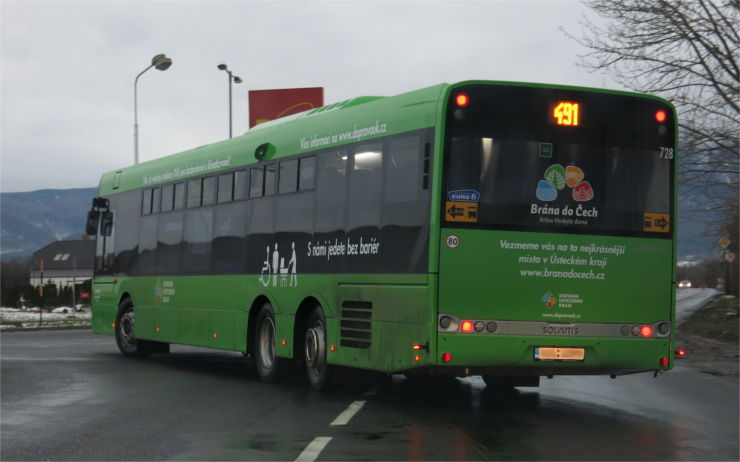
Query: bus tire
x=126, y=339
x=318, y=370
x=265, y=358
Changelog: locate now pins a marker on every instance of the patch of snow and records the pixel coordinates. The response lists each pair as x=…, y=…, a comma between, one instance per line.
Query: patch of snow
x=688, y=301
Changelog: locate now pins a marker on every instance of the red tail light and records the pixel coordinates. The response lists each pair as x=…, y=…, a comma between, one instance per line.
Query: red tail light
x=664, y=362
x=446, y=357
x=466, y=326
x=646, y=331
x=661, y=116
x=462, y=100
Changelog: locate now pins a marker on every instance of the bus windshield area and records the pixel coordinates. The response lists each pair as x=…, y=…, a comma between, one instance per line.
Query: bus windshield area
x=559, y=160
x=520, y=184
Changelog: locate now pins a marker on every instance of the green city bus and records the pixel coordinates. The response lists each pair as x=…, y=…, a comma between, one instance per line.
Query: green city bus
x=503, y=229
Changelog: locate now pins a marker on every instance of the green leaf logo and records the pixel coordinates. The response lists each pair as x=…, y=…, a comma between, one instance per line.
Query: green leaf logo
x=555, y=175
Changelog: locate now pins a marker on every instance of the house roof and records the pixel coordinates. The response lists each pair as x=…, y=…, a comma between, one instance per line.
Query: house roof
x=65, y=255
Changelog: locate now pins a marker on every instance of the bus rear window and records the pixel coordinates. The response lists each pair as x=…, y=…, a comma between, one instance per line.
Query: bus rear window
x=521, y=169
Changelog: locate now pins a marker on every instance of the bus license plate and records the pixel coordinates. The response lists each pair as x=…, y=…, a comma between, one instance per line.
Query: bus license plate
x=559, y=354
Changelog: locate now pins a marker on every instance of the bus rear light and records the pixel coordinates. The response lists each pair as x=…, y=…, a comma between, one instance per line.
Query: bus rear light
x=646, y=331
x=446, y=357
x=661, y=116
x=462, y=100
x=466, y=326
x=416, y=347
x=664, y=362
x=680, y=353
x=417, y=357
x=157, y=329
x=215, y=335
x=479, y=326
x=664, y=328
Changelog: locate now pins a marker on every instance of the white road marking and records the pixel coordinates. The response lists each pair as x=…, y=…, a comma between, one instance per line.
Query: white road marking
x=313, y=449
x=344, y=417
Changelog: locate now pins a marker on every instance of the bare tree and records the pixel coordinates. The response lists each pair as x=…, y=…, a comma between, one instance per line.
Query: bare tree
x=687, y=52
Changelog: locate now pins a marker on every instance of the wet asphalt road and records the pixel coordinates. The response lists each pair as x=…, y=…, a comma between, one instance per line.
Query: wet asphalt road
x=69, y=395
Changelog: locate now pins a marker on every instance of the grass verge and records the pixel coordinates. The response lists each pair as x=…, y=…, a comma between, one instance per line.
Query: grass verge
x=718, y=321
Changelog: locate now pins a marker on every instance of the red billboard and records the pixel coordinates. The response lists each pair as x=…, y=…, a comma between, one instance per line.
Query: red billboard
x=267, y=105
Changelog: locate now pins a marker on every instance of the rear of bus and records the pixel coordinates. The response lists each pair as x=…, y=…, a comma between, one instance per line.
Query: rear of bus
x=557, y=245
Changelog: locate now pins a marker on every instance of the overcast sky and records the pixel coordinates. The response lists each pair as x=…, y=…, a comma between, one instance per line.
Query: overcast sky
x=68, y=68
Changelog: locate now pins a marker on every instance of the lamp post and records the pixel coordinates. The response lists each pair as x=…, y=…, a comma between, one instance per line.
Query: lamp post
x=161, y=63
x=235, y=79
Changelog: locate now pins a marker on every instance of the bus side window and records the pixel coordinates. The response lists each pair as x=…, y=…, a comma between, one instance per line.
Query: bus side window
x=307, y=173
x=364, y=187
x=209, y=190
x=179, y=196
x=331, y=191
x=256, y=182
x=241, y=185
x=270, y=179
x=155, y=199
x=288, y=181
x=225, y=188
x=146, y=202
x=168, y=194
x=194, y=193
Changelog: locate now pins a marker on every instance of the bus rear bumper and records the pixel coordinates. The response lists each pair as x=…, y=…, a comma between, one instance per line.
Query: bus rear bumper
x=506, y=355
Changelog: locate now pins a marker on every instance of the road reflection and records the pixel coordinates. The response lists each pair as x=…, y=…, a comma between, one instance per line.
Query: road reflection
x=465, y=420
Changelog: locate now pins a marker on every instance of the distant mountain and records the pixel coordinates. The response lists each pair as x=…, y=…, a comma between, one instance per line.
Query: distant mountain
x=31, y=220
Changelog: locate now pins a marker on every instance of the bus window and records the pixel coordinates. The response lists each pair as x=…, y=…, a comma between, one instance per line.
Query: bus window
x=270, y=179
x=194, y=193
x=402, y=170
x=146, y=202
x=256, y=182
x=364, y=187
x=179, y=196
x=168, y=194
x=169, y=239
x=155, y=199
x=307, y=173
x=197, y=240
x=288, y=181
x=225, y=187
x=240, y=185
x=331, y=192
x=209, y=190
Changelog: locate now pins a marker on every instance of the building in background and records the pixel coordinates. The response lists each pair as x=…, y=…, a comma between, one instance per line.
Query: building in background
x=65, y=263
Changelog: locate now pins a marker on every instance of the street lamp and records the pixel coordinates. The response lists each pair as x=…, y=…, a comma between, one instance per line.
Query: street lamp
x=161, y=63
x=235, y=79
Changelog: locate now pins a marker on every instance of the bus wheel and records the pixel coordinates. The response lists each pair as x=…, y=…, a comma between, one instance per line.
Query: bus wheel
x=317, y=368
x=125, y=338
x=265, y=358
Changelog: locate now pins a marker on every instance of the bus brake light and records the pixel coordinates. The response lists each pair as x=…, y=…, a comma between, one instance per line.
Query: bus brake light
x=462, y=100
x=646, y=331
x=466, y=326
x=446, y=357
x=661, y=116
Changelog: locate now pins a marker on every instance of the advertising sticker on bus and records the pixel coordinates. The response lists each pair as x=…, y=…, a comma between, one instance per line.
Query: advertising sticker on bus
x=556, y=179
